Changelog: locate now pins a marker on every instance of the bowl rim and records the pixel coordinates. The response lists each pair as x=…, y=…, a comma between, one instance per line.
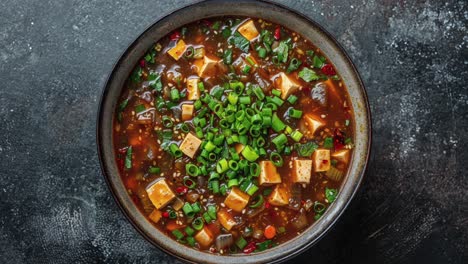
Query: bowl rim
x=337, y=212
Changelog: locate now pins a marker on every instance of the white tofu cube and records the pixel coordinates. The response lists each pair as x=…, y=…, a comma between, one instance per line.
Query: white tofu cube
x=341, y=155
x=192, y=88
x=302, y=171
x=160, y=193
x=204, y=237
x=268, y=173
x=187, y=112
x=190, y=145
x=313, y=123
x=237, y=199
x=248, y=30
x=286, y=85
x=206, y=66
x=178, y=50
x=226, y=219
x=321, y=160
x=280, y=196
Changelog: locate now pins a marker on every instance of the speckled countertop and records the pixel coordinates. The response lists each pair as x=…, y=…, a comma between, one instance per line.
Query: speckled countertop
x=55, y=57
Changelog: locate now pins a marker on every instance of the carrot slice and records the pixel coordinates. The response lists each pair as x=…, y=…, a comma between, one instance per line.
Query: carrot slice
x=172, y=225
x=270, y=232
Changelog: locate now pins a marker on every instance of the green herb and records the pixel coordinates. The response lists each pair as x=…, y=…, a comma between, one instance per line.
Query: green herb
x=154, y=170
x=123, y=104
x=348, y=141
x=264, y=245
x=331, y=194
x=310, y=53
x=216, y=25
x=227, y=56
x=240, y=42
x=140, y=108
x=293, y=65
x=226, y=32
x=318, y=62
x=328, y=143
x=282, y=52
x=128, y=158
x=154, y=80
x=136, y=74
x=306, y=149
x=308, y=75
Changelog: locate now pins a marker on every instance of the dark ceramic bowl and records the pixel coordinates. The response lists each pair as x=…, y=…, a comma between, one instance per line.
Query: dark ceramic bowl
x=277, y=14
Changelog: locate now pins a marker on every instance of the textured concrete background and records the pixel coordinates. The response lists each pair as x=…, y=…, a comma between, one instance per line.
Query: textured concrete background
x=55, y=57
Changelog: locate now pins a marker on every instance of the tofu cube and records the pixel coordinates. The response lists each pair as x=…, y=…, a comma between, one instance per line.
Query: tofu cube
x=302, y=171
x=178, y=50
x=313, y=123
x=248, y=30
x=190, y=145
x=192, y=88
x=155, y=216
x=286, y=85
x=187, y=112
x=341, y=155
x=280, y=196
x=237, y=199
x=321, y=160
x=160, y=193
x=206, y=66
x=204, y=237
x=226, y=219
x=268, y=173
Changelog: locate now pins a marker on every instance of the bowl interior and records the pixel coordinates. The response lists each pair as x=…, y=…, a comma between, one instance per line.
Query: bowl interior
x=276, y=14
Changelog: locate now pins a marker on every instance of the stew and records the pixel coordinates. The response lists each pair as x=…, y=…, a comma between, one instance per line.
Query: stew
x=233, y=135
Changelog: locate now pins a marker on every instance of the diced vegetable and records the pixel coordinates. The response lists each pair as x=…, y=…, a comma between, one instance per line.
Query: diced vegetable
x=206, y=66
x=155, y=216
x=313, y=123
x=224, y=241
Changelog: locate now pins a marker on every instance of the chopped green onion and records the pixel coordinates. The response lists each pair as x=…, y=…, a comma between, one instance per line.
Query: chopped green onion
x=258, y=92
x=212, y=211
x=328, y=143
x=292, y=99
x=197, y=223
x=189, y=52
x=191, y=241
x=276, y=158
x=276, y=92
x=241, y=242
x=154, y=170
x=206, y=217
x=128, y=158
x=296, y=135
x=178, y=235
x=191, y=169
x=222, y=166
x=244, y=100
x=232, y=182
x=175, y=151
x=175, y=96
x=196, y=207
x=257, y=201
x=140, y=108
x=188, y=210
x=189, y=231
x=277, y=124
x=280, y=140
x=232, y=98
x=251, y=189
x=293, y=65
x=167, y=121
x=249, y=153
x=294, y=113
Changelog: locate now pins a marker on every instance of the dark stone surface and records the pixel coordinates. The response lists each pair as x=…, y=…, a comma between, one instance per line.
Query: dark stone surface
x=55, y=57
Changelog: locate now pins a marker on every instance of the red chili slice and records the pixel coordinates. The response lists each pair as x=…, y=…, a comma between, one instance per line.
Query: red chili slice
x=338, y=139
x=250, y=248
x=142, y=63
x=328, y=69
x=175, y=35
x=267, y=205
x=181, y=190
x=277, y=33
x=165, y=214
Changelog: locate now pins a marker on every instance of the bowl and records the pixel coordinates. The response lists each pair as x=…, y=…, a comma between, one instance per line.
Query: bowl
x=261, y=9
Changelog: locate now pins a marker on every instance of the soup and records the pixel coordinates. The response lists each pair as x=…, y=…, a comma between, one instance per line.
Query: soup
x=233, y=135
